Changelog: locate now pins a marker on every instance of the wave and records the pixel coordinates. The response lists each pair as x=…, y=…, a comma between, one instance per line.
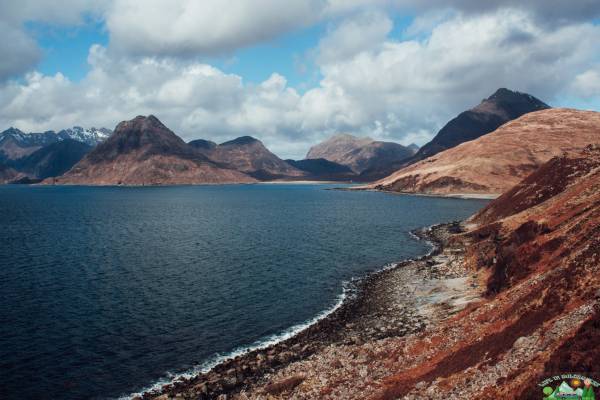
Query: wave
x=348, y=292
x=206, y=366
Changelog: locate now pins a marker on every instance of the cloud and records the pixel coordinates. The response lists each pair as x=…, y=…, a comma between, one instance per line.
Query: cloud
x=544, y=11
x=360, y=32
x=190, y=27
x=372, y=84
x=415, y=85
x=587, y=84
x=20, y=52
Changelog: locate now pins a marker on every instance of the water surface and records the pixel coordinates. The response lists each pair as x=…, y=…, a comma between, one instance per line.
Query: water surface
x=105, y=290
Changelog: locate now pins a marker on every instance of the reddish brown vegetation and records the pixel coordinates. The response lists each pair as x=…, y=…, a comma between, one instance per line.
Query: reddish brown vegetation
x=539, y=245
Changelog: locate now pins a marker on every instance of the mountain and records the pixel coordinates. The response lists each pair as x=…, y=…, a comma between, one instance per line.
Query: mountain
x=359, y=154
x=52, y=160
x=91, y=136
x=248, y=155
x=7, y=174
x=15, y=144
x=413, y=147
x=385, y=169
x=494, y=162
x=322, y=169
x=502, y=106
x=203, y=144
x=334, y=148
x=534, y=252
x=143, y=151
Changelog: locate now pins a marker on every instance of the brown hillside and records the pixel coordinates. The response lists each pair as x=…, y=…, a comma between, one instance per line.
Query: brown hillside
x=145, y=152
x=497, y=161
x=539, y=246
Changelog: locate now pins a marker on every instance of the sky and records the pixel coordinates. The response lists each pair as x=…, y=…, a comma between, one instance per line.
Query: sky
x=290, y=73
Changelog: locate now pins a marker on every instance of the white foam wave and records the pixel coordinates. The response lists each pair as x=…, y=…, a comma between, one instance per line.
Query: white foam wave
x=347, y=292
x=258, y=345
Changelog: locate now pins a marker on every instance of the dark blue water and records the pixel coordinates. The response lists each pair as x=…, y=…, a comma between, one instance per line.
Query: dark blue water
x=105, y=290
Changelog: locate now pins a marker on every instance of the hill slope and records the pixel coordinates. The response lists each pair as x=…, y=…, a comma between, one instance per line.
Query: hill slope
x=143, y=151
x=7, y=174
x=248, y=155
x=499, y=160
x=502, y=106
x=52, y=160
x=538, y=247
x=15, y=144
x=322, y=169
x=360, y=154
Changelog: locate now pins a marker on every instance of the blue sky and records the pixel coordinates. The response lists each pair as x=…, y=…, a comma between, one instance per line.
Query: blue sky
x=65, y=48
x=290, y=73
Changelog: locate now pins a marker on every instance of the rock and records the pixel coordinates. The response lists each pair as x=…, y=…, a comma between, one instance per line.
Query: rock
x=421, y=385
x=521, y=342
x=202, y=388
x=284, y=385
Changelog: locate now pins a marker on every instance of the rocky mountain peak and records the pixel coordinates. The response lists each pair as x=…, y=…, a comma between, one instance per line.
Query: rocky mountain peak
x=203, y=144
x=241, y=141
x=510, y=104
x=502, y=106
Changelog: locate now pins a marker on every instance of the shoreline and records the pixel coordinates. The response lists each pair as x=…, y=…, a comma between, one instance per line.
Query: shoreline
x=398, y=300
x=476, y=196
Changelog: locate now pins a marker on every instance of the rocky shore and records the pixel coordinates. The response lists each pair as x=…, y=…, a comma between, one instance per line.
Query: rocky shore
x=399, y=301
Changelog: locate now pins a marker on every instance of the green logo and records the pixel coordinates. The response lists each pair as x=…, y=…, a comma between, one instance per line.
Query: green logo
x=569, y=387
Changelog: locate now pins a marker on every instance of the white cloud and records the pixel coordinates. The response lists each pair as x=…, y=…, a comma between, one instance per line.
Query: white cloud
x=587, y=84
x=190, y=27
x=417, y=85
x=388, y=88
x=358, y=33
x=19, y=52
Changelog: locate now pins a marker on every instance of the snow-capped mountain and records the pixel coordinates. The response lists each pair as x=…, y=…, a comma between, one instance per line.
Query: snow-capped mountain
x=28, y=139
x=91, y=136
x=15, y=144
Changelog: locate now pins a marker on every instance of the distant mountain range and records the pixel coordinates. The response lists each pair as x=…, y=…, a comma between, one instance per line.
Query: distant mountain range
x=248, y=155
x=322, y=169
x=31, y=157
x=146, y=152
x=143, y=151
x=15, y=144
x=359, y=154
x=52, y=160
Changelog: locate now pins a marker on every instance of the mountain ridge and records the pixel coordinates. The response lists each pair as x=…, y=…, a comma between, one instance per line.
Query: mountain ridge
x=248, y=155
x=502, y=106
x=15, y=143
x=360, y=154
x=497, y=161
x=143, y=151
